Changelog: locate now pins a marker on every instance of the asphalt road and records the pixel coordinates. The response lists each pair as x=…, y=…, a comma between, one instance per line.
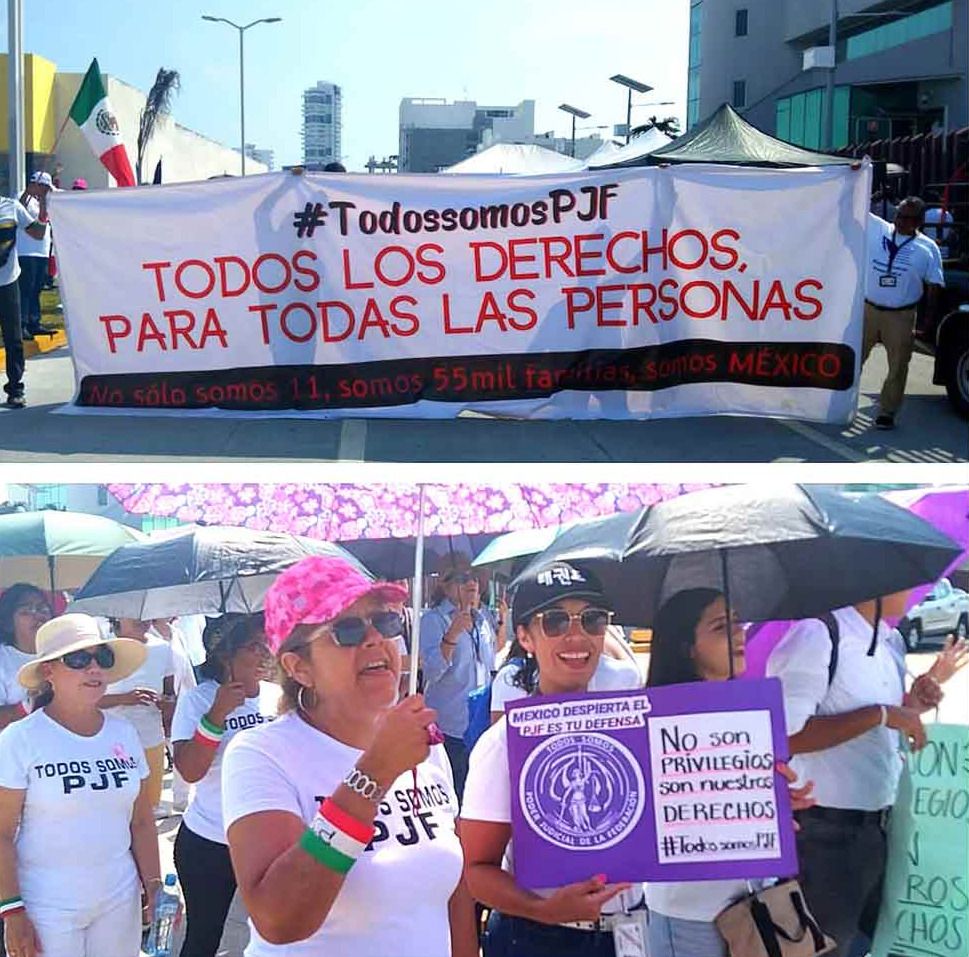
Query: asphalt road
x=929, y=432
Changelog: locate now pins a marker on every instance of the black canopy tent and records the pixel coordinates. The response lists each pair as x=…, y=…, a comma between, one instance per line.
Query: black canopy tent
x=726, y=137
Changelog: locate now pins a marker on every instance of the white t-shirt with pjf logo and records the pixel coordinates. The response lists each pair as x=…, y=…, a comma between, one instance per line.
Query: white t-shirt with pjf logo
x=395, y=898
x=204, y=814
x=74, y=841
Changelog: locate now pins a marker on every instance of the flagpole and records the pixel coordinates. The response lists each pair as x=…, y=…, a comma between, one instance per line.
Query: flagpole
x=17, y=156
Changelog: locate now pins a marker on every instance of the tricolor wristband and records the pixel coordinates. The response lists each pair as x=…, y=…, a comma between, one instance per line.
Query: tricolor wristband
x=12, y=905
x=336, y=839
x=22, y=708
x=208, y=733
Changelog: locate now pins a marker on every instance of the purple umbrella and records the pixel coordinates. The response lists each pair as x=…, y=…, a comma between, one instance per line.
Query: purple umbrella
x=945, y=507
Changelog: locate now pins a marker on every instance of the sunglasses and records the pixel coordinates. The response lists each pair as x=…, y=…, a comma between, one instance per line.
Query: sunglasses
x=34, y=610
x=103, y=655
x=557, y=622
x=459, y=578
x=351, y=632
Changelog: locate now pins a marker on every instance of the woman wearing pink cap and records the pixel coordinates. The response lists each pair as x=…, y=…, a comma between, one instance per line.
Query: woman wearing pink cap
x=340, y=816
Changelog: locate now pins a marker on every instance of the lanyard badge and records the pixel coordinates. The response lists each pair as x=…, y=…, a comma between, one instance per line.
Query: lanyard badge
x=629, y=934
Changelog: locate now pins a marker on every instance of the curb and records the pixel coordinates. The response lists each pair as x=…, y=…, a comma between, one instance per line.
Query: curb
x=38, y=346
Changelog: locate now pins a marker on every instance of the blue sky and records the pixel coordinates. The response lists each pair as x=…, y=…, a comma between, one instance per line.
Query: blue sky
x=496, y=52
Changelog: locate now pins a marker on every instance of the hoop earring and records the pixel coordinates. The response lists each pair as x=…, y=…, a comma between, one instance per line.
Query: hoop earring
x=300, y=704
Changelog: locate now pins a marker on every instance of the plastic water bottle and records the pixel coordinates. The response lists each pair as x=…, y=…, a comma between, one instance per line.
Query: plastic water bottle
x=168, y=913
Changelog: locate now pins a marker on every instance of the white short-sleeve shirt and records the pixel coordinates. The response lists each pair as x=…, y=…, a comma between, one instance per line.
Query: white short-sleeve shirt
x=204, y=814
x=74, y=841
x=860, y=774
x=13, y=218
x=395, y=898
x=916, y=262
x=147, y=719
x=12, y=659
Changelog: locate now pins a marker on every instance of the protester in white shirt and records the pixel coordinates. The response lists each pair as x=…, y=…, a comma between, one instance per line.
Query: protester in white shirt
x=518, y=677
x=693, y=641
x=340, y=815
x=147, y=698
x=185, y=681
x=940, y=229
x=903, y=265
x=34, y=254
x=231, y=698
x=14, y=217
x=844, y=735
x=77, y=839
x=23, y=609
x=561, y=616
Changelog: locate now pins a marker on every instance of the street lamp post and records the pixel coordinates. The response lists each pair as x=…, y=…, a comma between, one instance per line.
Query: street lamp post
x=242, y=73
x=630, y=85
x=574, y=112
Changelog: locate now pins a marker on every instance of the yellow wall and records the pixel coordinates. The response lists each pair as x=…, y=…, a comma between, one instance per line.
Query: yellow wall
x=39, y=123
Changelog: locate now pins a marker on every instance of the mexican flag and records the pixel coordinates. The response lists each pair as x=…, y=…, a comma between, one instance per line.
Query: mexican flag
x=93, y=114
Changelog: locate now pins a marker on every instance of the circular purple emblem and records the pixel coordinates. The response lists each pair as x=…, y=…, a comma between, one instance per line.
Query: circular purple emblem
x=581, y=791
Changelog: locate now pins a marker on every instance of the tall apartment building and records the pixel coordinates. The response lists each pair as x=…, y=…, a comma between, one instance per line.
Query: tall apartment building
x=322, y=125
x=900, y=66
x=435, y=134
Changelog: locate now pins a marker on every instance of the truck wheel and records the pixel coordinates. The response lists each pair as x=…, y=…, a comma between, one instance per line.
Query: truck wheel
x=913, y=635
x=957, y=379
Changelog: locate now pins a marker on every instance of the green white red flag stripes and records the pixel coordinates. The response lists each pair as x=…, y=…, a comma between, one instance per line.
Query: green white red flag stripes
x=92, y=112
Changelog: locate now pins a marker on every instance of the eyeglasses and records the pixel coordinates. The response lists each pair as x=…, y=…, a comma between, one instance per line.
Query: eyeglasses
x=351, y=632
x=34, y=610
x=459, y=578
x=557, y=622
x=103, y=655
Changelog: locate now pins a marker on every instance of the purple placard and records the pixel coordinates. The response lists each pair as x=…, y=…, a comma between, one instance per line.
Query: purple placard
x=663, y=784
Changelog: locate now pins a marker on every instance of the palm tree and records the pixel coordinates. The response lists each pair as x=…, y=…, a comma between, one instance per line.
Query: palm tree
x=158, y=103
x=670, y=125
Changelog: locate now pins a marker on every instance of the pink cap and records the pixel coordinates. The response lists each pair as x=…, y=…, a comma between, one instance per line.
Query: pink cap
x=316, y=590
x=79, y=183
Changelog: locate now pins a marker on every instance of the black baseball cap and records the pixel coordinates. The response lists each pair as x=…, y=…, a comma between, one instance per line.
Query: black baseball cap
x=542, y=587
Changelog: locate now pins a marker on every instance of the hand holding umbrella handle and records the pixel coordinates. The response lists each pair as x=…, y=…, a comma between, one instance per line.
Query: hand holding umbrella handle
x=434, y=736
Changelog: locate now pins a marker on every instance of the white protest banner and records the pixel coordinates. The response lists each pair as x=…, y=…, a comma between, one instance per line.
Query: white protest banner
x=623, y=294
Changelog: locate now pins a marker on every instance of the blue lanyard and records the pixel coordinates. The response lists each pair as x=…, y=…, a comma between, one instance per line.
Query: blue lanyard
x=894, y=250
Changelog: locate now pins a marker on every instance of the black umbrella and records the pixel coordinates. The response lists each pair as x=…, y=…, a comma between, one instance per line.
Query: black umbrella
x=792, y=551
x=204, y=570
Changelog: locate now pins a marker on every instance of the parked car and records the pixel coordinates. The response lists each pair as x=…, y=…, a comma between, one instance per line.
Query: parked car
x=943, y=611
x=948, y=338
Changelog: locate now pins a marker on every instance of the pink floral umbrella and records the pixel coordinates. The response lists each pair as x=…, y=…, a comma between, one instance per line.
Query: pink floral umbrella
x=346, y=512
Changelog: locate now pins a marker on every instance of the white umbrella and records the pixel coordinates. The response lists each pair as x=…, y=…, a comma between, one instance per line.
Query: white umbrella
x=517, y=159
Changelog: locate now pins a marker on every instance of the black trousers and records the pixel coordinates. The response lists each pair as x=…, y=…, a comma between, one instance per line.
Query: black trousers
x=843, y=856
x=457, y=752
x=13, y=340
x=33, y=272
x=208, y=883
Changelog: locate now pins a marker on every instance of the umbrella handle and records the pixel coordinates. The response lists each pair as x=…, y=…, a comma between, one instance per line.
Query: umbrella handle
x=728, y=610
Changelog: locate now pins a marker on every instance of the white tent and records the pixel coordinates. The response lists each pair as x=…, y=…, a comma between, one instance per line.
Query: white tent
x=641, y=145
x=603, y=155
x=516, y=159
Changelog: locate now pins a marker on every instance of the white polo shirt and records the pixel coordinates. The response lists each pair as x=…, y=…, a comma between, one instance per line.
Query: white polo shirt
x=862, y=773
x=916, y=261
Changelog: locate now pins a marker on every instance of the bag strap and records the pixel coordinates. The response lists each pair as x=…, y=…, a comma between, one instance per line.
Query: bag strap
x=807, y=921
x=834, y=633
x=765, y=927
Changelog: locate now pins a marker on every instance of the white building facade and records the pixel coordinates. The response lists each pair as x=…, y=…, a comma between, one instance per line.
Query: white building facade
x=322, y=125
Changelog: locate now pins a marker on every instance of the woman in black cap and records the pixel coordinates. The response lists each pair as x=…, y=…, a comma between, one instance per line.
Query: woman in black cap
x=561, y=616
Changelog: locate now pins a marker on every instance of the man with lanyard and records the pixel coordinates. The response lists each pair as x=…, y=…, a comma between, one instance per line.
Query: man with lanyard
x=847, y=710
x=459, y=640
x=903, y=265
x=13, y=216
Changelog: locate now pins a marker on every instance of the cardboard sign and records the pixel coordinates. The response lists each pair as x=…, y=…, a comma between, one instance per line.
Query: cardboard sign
x=925, y=907
x=621, y=294
x=666, y=784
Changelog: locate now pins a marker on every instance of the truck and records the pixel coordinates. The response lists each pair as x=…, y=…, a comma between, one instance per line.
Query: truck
x=943, y=611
